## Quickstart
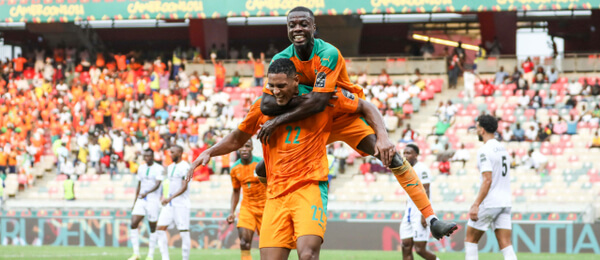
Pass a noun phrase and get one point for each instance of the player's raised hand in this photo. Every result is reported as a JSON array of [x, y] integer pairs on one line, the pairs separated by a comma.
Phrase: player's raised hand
[[266, 130], [474, 212], [385, 150], [230, 219], [202, 159]]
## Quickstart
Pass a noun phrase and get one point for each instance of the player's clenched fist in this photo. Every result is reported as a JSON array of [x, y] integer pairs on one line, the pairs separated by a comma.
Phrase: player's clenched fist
[[474, 212], [202, 159], [230, 219]]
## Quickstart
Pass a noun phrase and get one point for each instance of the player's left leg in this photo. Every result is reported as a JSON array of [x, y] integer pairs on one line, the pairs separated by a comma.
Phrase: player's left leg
[[165, 218], [407, 246], [134, 235], [245, 242], [421, 248], [503, 230], [473, 236], [505, 243], [152, 241], [309, 247]]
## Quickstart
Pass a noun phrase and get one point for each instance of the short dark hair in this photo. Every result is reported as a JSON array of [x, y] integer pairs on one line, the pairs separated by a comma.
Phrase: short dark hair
[[414, 147], [178, 147], [303, 9], [283, 65], [149, 151], [489, 123]]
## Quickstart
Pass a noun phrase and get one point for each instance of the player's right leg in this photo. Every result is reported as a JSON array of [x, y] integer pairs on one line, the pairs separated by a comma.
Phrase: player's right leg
[[407, 233], [164, 220], [137, 215], [248, 221], [245, 242], [309, 247], [277, 231], [153, 212], [134, 235], [182, 221]]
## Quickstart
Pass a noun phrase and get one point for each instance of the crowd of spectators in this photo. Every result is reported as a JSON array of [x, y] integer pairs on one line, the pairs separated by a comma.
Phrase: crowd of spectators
[[102, 112]]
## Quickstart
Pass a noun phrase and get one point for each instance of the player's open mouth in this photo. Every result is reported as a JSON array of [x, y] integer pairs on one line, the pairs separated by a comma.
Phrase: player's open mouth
[[299, 38]]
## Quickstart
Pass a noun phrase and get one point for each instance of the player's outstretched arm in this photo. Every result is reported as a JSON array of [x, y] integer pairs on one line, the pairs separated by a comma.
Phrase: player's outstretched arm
[[232, 142], [384, 148], [310, 104], [483, 191], [235, 198]]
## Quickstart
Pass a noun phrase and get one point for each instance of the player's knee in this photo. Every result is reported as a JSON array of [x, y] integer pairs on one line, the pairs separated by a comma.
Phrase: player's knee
[[308, 254], [396, 161], [134, 224], [420, 249], [245, 243], [407, 246]]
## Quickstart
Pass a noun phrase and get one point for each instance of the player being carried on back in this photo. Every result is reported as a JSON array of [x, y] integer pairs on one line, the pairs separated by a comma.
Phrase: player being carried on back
[[321, 65], [295, 157], [255, 195]]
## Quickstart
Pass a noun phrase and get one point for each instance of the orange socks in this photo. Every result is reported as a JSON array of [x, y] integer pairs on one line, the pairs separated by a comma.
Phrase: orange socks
[[409, 180], [246, 255]]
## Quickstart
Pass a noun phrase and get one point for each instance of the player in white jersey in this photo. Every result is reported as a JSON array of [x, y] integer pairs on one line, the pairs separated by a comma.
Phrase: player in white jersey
[[414, 230], [176, 206], [147, 203], [493, 203]]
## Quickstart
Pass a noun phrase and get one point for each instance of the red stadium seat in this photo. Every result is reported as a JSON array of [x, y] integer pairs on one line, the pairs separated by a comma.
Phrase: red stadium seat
[[573, 158]]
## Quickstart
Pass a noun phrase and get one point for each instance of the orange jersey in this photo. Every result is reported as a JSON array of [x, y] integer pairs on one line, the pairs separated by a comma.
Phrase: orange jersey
[[255, 193], [325, 69], [295, 154]]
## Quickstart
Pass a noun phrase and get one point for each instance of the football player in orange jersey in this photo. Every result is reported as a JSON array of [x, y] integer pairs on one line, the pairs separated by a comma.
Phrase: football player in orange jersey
[[255, 195], [321, 65], [295, 214]]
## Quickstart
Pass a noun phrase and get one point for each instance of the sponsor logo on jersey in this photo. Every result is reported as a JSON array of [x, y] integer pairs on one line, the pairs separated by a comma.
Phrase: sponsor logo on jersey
[[320, 81], [424, 175], [482, 158]]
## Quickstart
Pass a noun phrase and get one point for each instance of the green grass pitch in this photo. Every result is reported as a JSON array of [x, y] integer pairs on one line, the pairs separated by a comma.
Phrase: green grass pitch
[[89, 253]]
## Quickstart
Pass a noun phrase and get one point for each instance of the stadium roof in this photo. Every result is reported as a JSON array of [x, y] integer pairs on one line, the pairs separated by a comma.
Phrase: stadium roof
[[44, 11]]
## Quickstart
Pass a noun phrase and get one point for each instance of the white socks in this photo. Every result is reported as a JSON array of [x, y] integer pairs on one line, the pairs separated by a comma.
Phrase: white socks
[[162, 244], [471, 251], [509, 253], [186, 244], [135, 240], [152, 244]]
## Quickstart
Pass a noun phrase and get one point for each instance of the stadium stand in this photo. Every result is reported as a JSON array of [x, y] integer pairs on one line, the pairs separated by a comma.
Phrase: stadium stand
[[133, 92]]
